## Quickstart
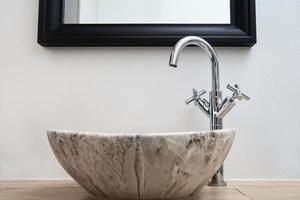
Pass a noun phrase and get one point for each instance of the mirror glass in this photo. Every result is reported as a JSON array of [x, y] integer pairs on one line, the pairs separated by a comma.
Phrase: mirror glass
[[146, 12]]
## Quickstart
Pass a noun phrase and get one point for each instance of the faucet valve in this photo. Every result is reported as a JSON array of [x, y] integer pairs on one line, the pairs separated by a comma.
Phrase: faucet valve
[[237, 94], [196, 97], [229, 102]]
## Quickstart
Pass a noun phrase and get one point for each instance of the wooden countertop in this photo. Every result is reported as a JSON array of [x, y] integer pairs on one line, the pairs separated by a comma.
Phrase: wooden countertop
[[69, 190]]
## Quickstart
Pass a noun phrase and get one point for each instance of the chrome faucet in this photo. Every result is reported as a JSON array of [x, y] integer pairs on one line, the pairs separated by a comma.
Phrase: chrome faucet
[[217, 107]]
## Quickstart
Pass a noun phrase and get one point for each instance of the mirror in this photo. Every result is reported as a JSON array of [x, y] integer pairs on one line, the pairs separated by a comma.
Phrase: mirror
[[146, 11], [145, 22]]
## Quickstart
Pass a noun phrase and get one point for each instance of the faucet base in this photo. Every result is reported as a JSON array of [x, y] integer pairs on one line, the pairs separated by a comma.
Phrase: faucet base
[[217, 184], [218, 179]]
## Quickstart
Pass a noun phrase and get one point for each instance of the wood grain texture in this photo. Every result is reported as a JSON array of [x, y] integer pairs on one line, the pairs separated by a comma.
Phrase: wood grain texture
[[269, 190], [69, 190], [141, 166]]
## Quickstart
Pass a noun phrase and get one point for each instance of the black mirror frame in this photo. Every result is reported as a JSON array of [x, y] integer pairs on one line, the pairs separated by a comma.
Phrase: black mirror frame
[[52, 32]]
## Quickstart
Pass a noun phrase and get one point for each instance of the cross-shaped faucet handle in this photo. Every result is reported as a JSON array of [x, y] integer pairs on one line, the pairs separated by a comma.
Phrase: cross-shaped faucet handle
[[196, 96], [237, 94]]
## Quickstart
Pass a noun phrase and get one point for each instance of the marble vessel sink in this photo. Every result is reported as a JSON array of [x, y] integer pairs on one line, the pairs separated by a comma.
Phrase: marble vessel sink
[[141, 166]]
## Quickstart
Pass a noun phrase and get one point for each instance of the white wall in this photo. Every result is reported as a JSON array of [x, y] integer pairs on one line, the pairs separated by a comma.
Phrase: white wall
[[133, 89]]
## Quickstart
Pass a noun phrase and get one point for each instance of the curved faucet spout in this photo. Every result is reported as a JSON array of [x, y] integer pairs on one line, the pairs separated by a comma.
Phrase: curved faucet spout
[[194, 40]]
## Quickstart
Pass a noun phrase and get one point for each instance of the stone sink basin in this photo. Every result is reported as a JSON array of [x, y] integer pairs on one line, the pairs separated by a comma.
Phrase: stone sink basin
[[141, 166]]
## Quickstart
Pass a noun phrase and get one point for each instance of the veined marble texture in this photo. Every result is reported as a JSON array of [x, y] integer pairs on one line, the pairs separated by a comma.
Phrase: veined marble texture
[[141, 166]]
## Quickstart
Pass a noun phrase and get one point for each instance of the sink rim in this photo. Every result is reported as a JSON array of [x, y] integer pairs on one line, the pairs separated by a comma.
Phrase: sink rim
[[146, 134]]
